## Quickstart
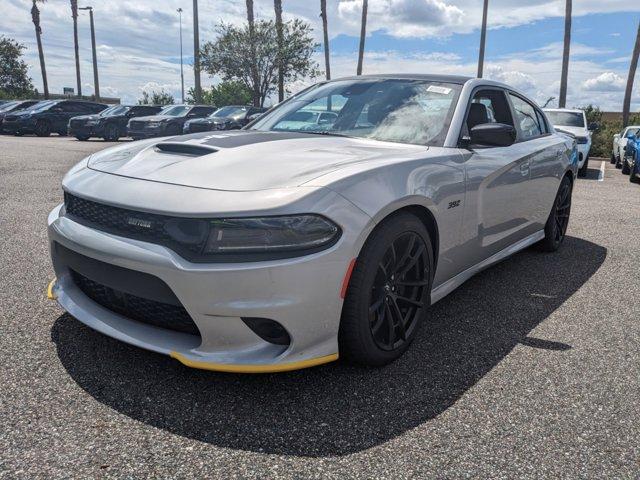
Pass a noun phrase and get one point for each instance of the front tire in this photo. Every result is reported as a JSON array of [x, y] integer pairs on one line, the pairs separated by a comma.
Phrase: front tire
[[556, 227], [389, 292], [613, 158], [625, 167], [82, 138], [111, 133]]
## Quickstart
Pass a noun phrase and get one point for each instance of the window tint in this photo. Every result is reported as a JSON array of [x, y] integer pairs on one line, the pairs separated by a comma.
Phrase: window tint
[[489, 106], [201, 111], [526, 118]]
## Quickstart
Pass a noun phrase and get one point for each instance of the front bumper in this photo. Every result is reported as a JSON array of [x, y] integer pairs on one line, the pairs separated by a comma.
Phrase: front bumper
[[85, 130], [583, 152], [19, 126], [301, 294], [146, 132]]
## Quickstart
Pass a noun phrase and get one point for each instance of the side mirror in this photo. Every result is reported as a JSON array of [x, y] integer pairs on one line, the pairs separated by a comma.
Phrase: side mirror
[[493, 135], [253, 117], [593, 126], [616, 136]]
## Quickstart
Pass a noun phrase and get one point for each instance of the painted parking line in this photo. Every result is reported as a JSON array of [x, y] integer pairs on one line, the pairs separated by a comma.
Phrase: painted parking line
[[601, 174]]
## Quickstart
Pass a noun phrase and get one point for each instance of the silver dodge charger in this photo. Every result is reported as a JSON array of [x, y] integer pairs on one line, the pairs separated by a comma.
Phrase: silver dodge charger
[[325, 228]]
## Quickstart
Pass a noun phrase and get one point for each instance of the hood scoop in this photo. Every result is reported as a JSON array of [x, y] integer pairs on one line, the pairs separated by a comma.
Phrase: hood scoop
[[183, 149]]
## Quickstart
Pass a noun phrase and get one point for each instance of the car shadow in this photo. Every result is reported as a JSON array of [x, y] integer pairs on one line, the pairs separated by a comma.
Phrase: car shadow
[[592, 173], [338, 409]]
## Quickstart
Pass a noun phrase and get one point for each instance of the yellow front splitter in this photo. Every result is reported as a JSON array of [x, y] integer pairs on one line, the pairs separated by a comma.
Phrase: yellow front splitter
[[230, 368], [50, 294]]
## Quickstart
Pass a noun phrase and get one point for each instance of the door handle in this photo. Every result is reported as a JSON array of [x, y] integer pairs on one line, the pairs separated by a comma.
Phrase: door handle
[[524, 169]]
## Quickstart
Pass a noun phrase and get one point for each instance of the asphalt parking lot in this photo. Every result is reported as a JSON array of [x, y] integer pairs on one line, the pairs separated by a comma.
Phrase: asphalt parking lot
[[530, 369]]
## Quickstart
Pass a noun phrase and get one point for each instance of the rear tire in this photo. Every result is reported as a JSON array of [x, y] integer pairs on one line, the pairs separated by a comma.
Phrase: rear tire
[[556, 227], [388, 293], [582, 172], [613, 159], [43, 128]]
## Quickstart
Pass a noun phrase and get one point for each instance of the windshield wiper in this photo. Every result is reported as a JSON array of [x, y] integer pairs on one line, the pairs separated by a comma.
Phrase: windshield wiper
[[327, 133]]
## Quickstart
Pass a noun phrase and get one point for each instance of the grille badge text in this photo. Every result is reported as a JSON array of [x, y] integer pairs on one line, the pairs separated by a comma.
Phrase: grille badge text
[[138, 222]]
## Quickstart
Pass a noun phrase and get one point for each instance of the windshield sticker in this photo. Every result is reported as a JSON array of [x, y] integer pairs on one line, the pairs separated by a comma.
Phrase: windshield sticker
[[436, 89]]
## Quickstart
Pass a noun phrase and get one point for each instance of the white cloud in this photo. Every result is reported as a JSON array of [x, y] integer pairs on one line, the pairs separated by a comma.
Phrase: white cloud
[[518, 80], [605, 82], [403, 18]]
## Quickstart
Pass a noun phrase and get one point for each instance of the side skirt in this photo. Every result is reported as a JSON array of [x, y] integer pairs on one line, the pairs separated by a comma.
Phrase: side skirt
[[450, 285]]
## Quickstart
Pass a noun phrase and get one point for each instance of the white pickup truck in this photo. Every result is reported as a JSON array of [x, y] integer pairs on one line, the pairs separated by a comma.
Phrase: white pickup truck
[[574, 122], [619, 142]]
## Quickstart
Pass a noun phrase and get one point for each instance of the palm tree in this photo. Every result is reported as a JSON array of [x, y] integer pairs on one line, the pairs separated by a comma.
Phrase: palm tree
[[277, 5], [565, 56], [363, 34], [632, 73], [254, 67], [323, 14], [35, 17], [196, 54], [483, 38], [74, 15]]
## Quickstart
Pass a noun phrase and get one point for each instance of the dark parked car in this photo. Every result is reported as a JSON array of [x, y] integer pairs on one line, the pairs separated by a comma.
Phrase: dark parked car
[[109, 124], [168, 122], [231, 117], [13, 106], [48, 116]]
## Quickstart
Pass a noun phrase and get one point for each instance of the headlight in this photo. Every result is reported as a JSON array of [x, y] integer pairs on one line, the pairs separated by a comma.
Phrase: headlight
[[294, 233]]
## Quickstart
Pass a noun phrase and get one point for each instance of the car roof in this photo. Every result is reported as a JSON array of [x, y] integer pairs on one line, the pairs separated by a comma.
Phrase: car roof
[[568, 110], [459, 79]]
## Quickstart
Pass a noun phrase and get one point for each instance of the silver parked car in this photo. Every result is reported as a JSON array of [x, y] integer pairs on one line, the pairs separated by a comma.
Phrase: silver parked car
[[287, 244]]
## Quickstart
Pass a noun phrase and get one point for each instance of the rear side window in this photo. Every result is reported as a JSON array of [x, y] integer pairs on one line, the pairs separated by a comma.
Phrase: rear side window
[[527, 118]]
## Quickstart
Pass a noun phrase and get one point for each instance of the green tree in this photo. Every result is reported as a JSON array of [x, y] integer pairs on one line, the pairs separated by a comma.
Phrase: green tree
[[225, 93], [229, 56], [156, 98], [14, 81]]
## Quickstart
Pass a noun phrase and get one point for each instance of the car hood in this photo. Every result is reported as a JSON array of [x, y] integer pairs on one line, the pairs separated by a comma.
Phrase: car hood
[[154, 118], [243, 160], [577, 131]]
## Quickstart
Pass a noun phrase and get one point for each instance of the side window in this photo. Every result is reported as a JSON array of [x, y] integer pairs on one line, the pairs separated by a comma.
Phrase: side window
[[543, 125], [197, 111], [489, 106], [526, 118]]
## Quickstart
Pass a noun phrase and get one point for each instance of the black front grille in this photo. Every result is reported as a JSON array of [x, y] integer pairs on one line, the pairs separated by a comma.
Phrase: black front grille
[[163, 315], [77, 123], [136, 125], [183, 235]]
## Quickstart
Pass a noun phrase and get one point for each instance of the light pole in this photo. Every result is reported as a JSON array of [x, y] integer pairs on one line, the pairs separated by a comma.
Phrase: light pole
[[196, 53], [96, 83], [181, 70]]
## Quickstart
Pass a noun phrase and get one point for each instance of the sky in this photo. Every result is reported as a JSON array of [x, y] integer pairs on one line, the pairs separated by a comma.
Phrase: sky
[[138, 42]]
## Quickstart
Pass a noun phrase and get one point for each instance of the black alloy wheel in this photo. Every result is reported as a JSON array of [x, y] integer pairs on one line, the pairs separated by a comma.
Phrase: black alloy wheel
[[625, 166], [388, 293], [43, 128], [397, 294], [556, 227], [111, 132]]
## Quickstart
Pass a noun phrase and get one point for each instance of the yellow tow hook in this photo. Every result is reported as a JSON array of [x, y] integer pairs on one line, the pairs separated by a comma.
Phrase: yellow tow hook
[[50, 294]]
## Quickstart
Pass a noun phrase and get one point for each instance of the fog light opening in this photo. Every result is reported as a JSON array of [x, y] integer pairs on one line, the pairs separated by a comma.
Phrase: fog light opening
[[268, 330]]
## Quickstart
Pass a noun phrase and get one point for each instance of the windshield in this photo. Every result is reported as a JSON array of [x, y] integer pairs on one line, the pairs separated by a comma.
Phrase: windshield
[[8, 106], [229, 111], [395, 110], [40, 106], [114, 110], [566, 119], [175, 110]]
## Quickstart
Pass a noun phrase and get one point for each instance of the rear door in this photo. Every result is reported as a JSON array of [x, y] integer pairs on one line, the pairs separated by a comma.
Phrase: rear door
[[497, 200], [546, 155]]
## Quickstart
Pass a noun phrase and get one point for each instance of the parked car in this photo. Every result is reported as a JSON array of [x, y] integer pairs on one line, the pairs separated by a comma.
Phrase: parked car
[[269, 249], [574, 121], [620, 142], [111, 123], [630, 160], [13, 106], [168, 121], [48, 116], [231, 117]]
